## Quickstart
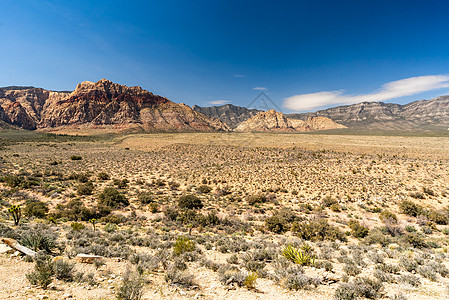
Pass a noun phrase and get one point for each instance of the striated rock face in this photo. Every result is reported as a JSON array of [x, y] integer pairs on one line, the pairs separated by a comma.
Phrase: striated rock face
[[274, 121], [103, 104], [229, 114], [379, 115]]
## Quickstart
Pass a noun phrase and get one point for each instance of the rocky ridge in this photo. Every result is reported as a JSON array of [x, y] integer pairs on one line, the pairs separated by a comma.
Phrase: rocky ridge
[[102, 104], [275, 121]]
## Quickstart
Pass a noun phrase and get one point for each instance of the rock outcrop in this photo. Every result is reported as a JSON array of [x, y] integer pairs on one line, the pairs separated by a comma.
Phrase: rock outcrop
[[273, 121], [102, 104]]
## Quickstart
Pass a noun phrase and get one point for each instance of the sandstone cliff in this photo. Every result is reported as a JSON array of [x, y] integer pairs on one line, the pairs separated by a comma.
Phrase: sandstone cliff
[[274, 121], [103, 104]]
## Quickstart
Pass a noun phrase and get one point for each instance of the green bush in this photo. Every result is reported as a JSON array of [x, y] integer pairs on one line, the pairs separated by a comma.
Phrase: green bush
[[182, 245], [85, 189], [112, 198], [388, 217], [204, 189], [145, 198], [189, 202], [437, 217], [358, 230], [275, 224], [415, 239], [131, 287], [64, 270], [44, 270], [409, 208], [328, 201], [257, 198], [317, 230], [103, 176], [75, 210], [77, 226], [35, 208], [76, 157]]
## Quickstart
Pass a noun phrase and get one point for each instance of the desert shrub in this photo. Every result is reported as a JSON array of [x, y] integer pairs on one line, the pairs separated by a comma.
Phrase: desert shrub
[[281, 220], [408, 264], [17, 181], [171, 213], [257, 198], [383, 276], [112, 198], [416, 240], [110, 227], [179, 278], [328, 201], [417, 195], [367, 287], [410, 208], [388, 217], [427, 272], [228, 275], [317, 230], [75, 210], [410, 228], [189, 202], [210, 219], [44, 271], [76, 157], [131, 287], [250, 280], [410, 279], [437, 217], [35, 208], [85, 188], [358, 288], [335, 207], [323, 264], [275, 224], [387, 268], [204, 189], [358, 230], [103, 176], [428, 191], [121, 184], [77, 226], [351, 269], [182, 245], [145, 198], [297, 281], [154, 207], [64, 270]]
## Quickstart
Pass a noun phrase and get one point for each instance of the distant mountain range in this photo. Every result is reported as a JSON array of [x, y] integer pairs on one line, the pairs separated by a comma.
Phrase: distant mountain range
[[229, 114], [417, 115], [115, 107]]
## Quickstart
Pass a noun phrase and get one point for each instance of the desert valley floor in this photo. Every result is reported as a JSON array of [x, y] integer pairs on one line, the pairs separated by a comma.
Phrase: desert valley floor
[[227, 216]]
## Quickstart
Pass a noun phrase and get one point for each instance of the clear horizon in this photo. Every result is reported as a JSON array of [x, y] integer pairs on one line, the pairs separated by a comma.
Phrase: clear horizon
[[305, 56]]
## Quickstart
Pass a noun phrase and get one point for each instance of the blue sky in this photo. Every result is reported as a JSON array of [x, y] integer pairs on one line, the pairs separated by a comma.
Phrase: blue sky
[[306, 54]]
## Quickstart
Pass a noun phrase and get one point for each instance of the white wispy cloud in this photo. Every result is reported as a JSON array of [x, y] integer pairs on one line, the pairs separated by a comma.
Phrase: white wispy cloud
[[239, 76], [390, 90], [259, 88], [219, 102]]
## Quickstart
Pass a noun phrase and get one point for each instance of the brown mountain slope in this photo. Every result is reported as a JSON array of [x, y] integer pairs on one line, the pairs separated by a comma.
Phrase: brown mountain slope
[[277, 122], [101, 105]]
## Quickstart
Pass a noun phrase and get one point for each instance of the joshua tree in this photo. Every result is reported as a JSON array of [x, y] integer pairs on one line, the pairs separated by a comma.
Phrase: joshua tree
[[16, 213], [93, 222]]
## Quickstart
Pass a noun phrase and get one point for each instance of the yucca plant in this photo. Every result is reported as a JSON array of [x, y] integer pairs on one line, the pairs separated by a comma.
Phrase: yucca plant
[[290, 253], [301, 257], [15, 211]]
